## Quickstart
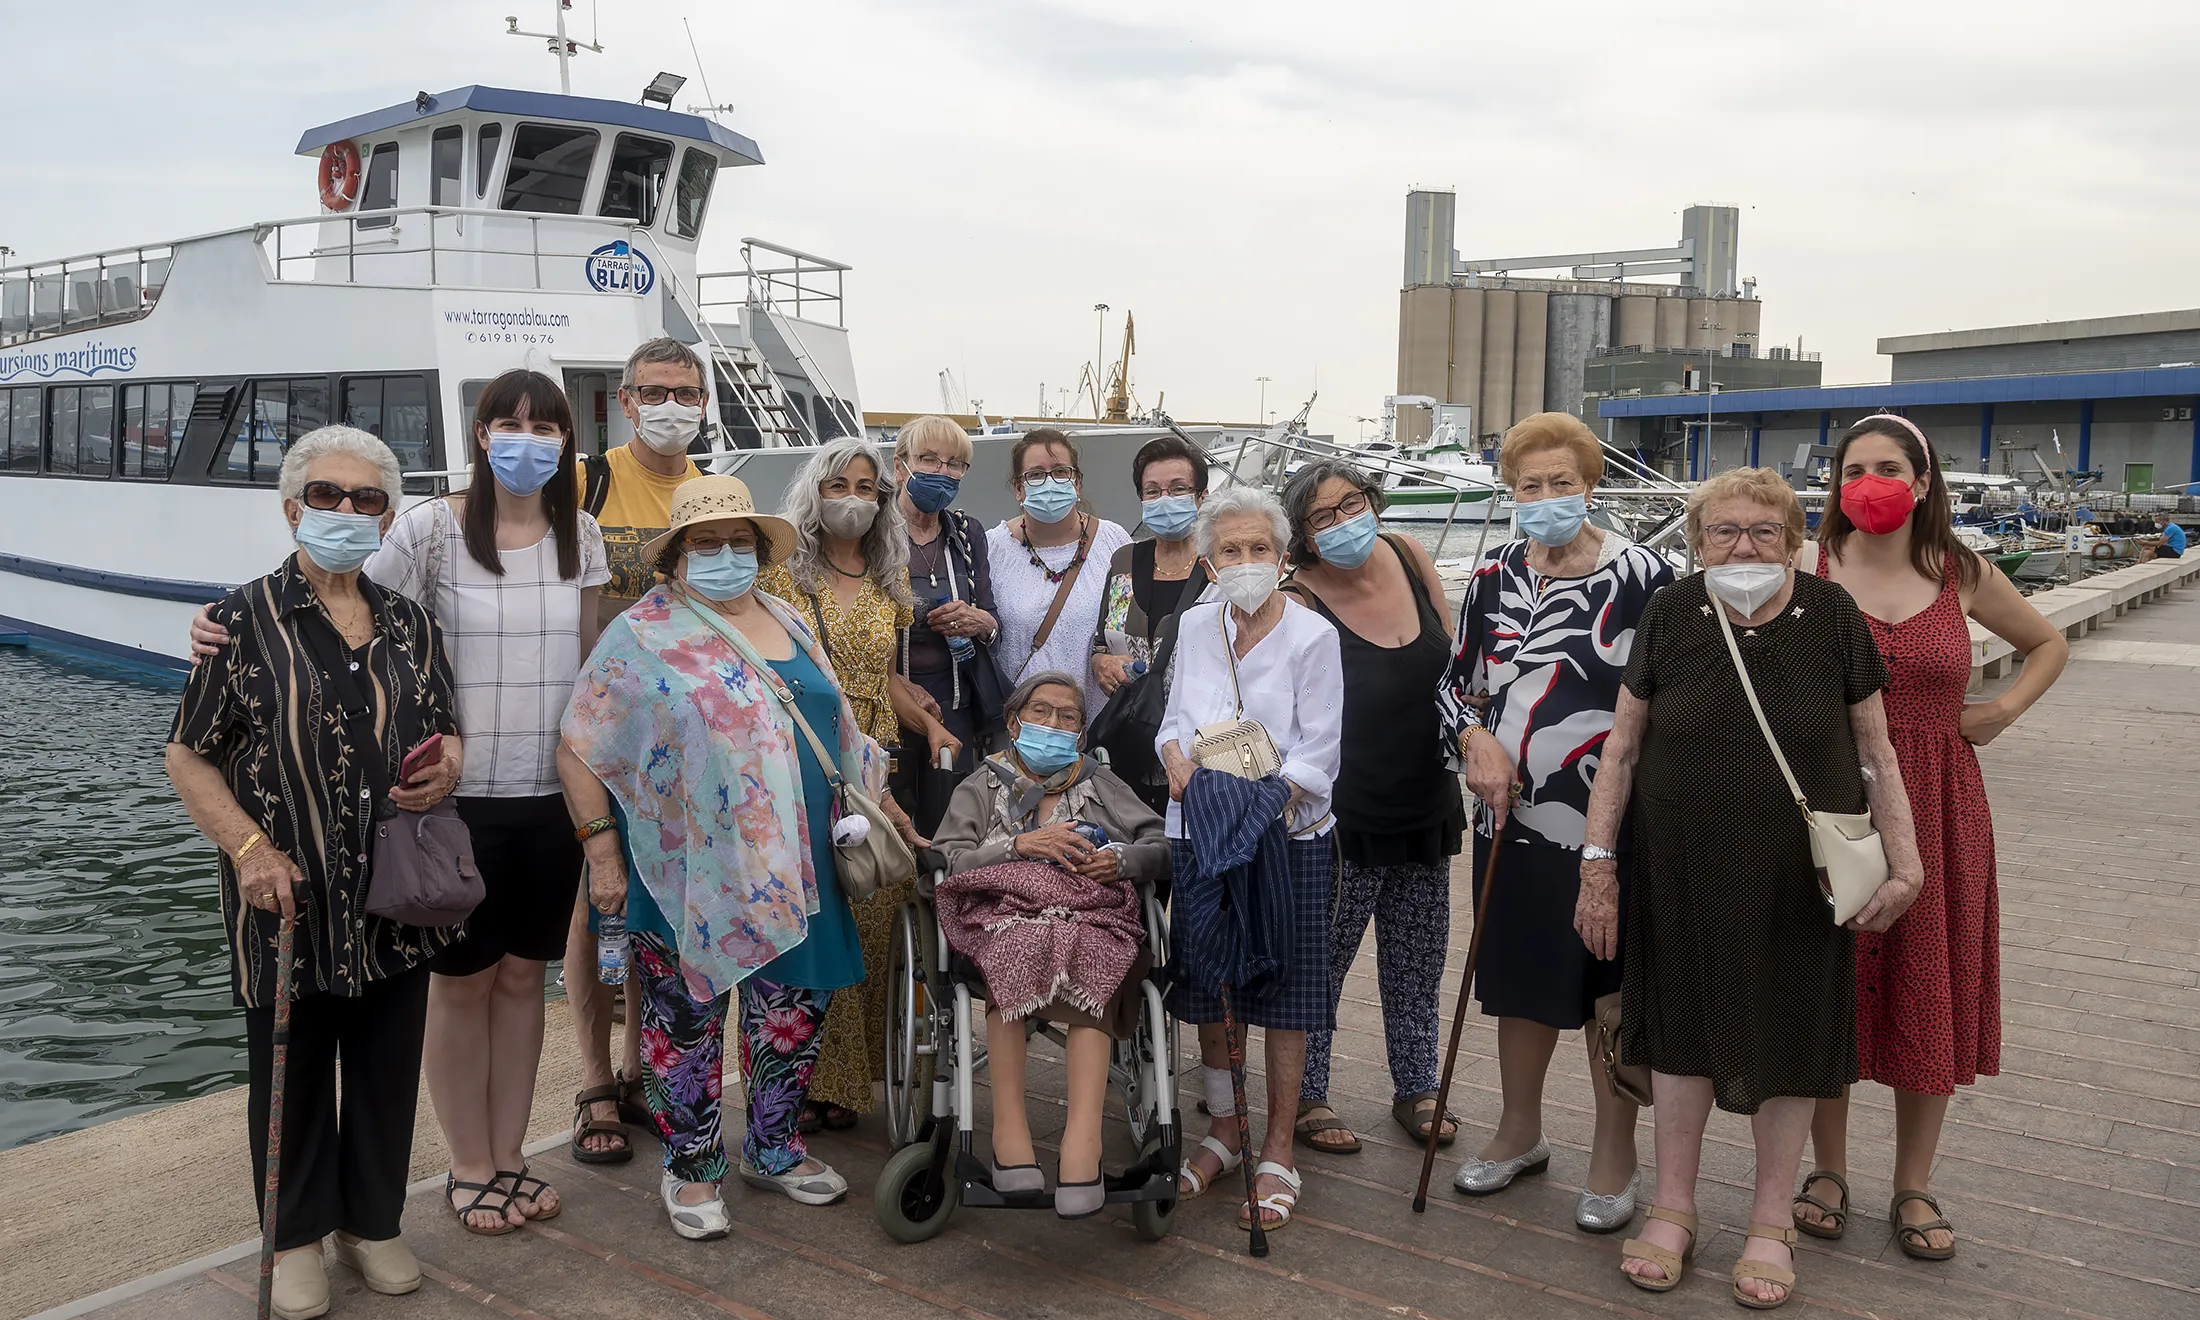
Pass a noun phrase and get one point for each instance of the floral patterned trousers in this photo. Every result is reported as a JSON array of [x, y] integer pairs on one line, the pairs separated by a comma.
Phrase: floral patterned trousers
[[1411, 906], [683, 1043]]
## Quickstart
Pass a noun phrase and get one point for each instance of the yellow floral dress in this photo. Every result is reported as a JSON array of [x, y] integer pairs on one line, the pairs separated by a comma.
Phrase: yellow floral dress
[[860, 641]]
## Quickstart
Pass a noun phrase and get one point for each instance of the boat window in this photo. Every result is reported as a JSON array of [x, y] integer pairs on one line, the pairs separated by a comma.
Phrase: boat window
[[692, 194], [80, 430], [446, 153], [733, 415], [153, 421], [635, 185], [549, 168], [271, 414], [486, 143], [380, 193], [393, 409], [19, 430], [831, 424]]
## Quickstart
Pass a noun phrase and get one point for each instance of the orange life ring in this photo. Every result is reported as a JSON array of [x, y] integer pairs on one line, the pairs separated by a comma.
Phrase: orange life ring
[[2103, 550], [339, 175]]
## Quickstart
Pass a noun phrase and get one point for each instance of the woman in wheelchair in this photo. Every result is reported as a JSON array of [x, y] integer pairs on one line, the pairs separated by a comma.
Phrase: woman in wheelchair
[[1046, 850]]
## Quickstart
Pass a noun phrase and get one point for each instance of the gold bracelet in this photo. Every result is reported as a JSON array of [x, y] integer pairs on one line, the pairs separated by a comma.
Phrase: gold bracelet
[[238, 855]]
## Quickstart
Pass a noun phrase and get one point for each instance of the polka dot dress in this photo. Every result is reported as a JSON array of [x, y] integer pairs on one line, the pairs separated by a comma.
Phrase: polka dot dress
[[1928, 991], [1734, 968]]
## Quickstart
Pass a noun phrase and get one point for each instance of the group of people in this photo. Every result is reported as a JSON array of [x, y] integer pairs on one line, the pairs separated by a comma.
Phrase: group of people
[[651, 704]]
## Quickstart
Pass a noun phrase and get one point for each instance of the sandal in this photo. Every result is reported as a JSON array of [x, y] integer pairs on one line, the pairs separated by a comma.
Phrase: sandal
[[1409, 1112], [1673, 1265], [1764, 1271], [1190, 1182], [586, 1125], [1911, 1237], [482, 1192], [1279, 1204], [633, 1101], [1839, 1214], [817, 1114], [1310, 1127], [521, 1181]]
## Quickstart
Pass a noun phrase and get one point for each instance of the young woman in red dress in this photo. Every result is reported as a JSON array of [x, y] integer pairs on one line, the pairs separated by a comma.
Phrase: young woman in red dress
[[1928, 990]]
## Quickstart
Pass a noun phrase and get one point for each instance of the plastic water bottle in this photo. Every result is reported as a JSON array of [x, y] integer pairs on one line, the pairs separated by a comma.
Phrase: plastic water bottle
[[959, 649], [1138, 669], [611, 948], [1096, 835]]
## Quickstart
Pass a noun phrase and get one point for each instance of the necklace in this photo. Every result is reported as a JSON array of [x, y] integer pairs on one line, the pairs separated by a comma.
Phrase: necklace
[[1084, 547], [863, 572]]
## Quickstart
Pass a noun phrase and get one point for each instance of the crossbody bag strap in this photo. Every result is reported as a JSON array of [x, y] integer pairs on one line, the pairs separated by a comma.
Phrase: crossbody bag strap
[[1229, 651], [437, 548], [826, 761], [1061, 594], [1749, 690]]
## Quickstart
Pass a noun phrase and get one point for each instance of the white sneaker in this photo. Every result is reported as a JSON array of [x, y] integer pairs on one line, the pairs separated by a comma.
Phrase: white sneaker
[[696, 1223], [300, 1291], [820, 1186]]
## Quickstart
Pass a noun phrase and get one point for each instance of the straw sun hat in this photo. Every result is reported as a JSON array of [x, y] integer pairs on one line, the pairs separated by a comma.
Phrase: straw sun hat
[[705, 499]]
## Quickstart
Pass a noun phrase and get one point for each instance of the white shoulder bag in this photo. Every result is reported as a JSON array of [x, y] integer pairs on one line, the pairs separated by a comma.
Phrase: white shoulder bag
[[1239, 747], [1846, 849]]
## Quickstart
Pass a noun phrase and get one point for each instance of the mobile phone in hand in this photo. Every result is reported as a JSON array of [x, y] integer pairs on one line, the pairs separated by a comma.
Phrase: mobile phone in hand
[[417, 761]]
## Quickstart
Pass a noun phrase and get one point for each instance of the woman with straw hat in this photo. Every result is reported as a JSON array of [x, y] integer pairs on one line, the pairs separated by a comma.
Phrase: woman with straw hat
[[706, 817]]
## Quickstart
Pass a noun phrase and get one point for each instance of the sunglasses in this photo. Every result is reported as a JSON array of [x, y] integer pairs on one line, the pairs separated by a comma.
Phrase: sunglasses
[[373, 501]]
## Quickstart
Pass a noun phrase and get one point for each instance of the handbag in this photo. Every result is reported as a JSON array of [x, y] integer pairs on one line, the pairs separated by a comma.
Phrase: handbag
[[883, 857], [1629, 1081], [424, 869], [1238, 746], [1127, 727], [1845, 848]]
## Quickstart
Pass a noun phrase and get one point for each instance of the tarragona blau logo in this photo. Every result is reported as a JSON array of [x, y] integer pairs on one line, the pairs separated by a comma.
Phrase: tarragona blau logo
[[85, 360], [617, 267]]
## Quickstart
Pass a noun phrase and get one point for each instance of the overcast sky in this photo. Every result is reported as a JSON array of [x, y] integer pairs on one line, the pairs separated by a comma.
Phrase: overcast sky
[[1234, 174]]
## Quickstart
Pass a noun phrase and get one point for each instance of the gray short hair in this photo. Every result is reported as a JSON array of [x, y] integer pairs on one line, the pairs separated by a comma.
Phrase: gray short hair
[[1232, 500], [885, 546], [663, 350], [1043, 678], [314, 446], [1298, 499]]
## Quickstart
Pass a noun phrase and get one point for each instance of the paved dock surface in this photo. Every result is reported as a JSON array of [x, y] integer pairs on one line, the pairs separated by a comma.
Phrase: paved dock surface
[[2073, 1178]]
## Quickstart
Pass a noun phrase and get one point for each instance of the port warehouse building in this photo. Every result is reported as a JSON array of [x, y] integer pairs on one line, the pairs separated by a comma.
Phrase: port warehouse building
[[2119, 394]]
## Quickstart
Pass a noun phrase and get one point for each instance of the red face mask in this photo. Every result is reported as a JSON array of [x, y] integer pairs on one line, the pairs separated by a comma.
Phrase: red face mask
[[1877, 504]]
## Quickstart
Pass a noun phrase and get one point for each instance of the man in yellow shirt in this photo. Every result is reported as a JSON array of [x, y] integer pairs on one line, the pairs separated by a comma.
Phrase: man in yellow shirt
[[629, 493]]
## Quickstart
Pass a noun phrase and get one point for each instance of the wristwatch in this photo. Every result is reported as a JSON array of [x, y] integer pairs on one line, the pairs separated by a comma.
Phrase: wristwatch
[[1591, 853]]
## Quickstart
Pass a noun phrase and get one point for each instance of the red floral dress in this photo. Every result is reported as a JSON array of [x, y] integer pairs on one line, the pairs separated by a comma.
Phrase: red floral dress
[[1928, 991]]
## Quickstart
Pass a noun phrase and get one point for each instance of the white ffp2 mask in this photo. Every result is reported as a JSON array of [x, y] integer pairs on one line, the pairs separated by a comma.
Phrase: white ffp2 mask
[[1248, 586], [1745, 587]]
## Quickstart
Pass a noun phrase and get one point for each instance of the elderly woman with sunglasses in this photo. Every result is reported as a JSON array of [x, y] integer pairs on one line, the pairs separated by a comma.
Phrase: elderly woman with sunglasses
[[287, 747]]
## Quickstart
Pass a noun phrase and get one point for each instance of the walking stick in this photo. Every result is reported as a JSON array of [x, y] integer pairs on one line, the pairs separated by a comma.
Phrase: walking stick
[[272, 1185], [1234, 1039], [1458, 1021]]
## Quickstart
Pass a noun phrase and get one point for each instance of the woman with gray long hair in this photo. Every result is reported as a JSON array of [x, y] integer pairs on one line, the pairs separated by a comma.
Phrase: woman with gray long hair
[[849, 579]]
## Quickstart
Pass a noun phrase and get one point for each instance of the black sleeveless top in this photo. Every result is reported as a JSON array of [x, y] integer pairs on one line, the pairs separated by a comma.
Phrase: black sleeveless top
[[1397, 801]]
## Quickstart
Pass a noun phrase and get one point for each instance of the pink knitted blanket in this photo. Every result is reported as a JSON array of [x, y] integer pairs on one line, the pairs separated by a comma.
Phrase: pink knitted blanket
[[1042, 935]]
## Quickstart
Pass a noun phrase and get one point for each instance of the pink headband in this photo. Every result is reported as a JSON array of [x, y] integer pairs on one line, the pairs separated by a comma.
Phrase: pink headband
[[1904, 422]]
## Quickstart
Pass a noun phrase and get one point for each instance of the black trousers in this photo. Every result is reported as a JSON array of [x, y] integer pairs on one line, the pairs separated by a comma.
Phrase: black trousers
[[346, 1151]]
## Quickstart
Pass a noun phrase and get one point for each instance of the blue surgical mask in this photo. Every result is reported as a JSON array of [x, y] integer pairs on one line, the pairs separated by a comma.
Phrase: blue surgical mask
[[524, 463], [1051, 500], [1555, 521], [932, 491], [338, 542], [1349, 543], [1044, 748], [722, 574], [1170, 517]]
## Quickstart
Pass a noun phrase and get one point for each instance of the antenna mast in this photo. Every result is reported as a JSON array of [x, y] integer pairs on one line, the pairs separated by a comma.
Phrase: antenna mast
[[562, 46]]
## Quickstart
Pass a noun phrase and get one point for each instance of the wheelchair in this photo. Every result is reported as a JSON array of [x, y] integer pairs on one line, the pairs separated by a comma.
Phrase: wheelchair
[[934, 1045]]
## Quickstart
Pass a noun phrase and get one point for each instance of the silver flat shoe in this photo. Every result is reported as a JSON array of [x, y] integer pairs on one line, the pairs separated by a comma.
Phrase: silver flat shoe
[[1597, 1213], [1480, 1177]]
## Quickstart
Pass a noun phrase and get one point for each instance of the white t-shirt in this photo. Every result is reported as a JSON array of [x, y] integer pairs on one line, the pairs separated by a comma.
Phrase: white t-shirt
[[514, 641], [1022, 595], [1292, 682]]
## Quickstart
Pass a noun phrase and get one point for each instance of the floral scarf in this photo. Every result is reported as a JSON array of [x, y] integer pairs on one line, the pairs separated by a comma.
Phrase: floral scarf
[[701, 757]]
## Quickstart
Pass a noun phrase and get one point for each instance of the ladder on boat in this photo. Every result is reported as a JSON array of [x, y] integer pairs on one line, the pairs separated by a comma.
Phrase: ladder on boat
[[757, 391]]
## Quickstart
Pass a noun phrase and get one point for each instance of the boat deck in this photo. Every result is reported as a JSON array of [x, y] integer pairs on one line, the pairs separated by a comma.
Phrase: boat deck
[[2073, 1178]]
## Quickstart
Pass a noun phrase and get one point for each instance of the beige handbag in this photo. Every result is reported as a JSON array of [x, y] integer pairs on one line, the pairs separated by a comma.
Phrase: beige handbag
[[883, 857], [1629, 1081], [1846, 849], [1241, 746]]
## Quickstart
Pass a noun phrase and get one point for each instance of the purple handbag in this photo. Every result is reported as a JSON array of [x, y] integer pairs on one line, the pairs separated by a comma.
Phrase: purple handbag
[[424, 871]]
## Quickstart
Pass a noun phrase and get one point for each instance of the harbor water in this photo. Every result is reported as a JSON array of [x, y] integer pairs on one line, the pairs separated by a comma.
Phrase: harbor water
[[114, 980]]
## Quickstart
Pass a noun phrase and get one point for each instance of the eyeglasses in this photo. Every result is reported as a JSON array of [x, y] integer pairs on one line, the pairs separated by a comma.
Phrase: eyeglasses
[[1037, 475], [1176, 488], [1351, 506], [327, 496], [687, 396], [710, 543], [1765, 535], [1061, 717], [933, 463]]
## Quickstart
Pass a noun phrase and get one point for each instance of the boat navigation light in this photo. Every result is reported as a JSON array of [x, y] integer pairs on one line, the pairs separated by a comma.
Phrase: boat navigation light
[[663, 88]]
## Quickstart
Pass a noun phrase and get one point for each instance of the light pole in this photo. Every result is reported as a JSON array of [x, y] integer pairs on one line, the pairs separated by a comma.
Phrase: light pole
[[1262, 415], [1099, 356]]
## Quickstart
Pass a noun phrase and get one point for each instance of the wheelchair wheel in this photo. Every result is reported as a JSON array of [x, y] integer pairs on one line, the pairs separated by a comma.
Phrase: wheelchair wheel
[[1154, 1220], [911, 1204], [1132, 1069], [912, 1041]]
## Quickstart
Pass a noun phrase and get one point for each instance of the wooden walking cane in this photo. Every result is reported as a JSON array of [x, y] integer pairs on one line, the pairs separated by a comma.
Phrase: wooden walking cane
[[1233, 1039], [1458, 1018], [271, 1186]]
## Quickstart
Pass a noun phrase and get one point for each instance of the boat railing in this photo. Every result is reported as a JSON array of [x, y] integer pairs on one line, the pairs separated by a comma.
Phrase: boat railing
[[455, 246], [799, 288], [81, 292]]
